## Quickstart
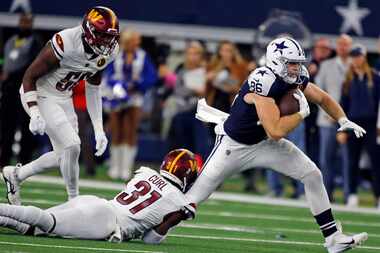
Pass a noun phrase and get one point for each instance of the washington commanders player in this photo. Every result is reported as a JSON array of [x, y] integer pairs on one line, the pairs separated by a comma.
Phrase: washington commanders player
[[74, 54], [149, 206]]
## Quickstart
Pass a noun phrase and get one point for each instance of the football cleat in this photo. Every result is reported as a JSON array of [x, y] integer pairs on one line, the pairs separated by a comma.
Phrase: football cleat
[[12, 183], [339, 242]]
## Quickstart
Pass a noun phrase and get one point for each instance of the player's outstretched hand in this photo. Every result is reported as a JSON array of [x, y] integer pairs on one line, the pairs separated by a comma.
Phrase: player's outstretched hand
[[37, 124], [101, 143], [348, 125], [304, 105]]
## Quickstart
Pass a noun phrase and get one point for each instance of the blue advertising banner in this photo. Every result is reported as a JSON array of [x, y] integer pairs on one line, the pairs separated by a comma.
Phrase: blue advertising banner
[[356, 17]]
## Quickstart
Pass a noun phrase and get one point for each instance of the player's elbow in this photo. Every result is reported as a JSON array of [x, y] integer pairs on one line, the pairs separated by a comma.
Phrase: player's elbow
[[152, 237], [276, 134]]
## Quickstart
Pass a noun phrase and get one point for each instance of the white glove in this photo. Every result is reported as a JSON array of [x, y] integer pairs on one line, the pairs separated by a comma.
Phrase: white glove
[[37, 124], [346, 124], [101, 142], [304, 105]]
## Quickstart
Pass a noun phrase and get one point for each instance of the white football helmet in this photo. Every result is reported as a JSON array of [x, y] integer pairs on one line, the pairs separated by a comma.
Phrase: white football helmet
[[282, 51]]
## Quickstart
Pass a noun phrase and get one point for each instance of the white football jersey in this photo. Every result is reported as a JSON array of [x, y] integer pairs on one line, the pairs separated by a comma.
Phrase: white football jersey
[[75, 64], [146, 200]]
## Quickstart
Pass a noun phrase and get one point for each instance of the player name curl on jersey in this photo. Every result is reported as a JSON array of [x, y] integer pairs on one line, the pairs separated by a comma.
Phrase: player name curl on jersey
[[242, 124], [76, 63], [146, 200]]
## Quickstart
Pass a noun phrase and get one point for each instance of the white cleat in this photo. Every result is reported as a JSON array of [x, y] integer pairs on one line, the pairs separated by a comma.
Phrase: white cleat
[[12, 183], [339, 242]]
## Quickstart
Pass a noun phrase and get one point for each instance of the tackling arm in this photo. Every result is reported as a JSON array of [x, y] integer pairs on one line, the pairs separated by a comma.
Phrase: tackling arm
[[159, 233]]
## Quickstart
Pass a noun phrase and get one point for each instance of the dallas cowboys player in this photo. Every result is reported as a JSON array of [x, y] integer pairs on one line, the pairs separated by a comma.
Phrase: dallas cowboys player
[[78, 53], [147, 208], [252, 136]]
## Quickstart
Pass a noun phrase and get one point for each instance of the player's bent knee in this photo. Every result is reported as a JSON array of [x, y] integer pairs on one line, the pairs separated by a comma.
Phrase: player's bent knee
[[314, 176]]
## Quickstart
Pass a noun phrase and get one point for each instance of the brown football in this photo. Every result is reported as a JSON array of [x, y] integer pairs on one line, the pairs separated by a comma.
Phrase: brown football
[[288, 104]]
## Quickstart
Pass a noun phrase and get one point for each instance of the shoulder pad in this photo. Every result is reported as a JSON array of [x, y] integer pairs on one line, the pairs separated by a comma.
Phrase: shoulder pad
[[261, 80], [144, 169], [63, 42]]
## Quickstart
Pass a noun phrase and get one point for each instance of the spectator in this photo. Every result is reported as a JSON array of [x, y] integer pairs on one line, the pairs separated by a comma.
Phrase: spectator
[[321, 51], [19, 52], [360, 100], [331, 76], [85, 128], [226, 73], [180, 107], [128, 78]]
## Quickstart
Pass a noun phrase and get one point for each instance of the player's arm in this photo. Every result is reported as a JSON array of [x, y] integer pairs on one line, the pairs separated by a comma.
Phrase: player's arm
[[43, 64], [275, 126], [94, 108], [318, 96], [332, 108], [157, 234]]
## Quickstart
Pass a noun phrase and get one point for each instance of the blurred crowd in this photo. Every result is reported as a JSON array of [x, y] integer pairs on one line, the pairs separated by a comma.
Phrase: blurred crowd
[[150, 95]]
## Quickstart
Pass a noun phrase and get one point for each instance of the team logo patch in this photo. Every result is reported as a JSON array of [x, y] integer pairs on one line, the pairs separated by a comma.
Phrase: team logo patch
[[94, 16], [101, 62], [59, 41]]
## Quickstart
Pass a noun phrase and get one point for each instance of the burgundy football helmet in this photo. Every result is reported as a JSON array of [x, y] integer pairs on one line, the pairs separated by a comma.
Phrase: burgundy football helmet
[[180, 167], [101, 30]]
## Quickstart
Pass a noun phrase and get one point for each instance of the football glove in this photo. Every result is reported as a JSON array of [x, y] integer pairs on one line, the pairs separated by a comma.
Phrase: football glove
[[347, 125], [37, 124]]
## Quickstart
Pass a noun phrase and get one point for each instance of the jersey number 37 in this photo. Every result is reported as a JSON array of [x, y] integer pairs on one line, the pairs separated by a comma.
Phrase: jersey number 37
[[143, 188]]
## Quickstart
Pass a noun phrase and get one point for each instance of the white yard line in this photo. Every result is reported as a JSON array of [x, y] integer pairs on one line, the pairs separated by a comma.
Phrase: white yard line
[[75, 247], [280, 218], [253, 230], [259, 240], [215, 196]]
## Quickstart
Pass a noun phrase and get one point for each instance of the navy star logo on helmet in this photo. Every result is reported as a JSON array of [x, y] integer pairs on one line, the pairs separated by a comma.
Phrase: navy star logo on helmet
[[279, 47], [261, 72]]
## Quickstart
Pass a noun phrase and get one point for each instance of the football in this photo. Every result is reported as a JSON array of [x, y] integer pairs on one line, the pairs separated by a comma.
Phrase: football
[[288, 104]]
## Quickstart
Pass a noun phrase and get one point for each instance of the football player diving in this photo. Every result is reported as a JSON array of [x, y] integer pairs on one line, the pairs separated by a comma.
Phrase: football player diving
[[147, 208]]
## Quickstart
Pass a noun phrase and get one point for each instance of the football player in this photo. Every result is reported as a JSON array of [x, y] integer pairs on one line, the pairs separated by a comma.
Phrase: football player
[[78, 53], [149, 206], [252, 136]]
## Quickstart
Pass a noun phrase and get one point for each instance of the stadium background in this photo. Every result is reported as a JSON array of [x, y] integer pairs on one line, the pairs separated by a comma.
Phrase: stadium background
[[172, 24]]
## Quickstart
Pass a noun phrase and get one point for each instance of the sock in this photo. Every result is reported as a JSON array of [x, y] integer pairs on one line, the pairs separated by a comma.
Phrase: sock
[[116, 158], [46, 161], [20, 227], [30, 215], [326, 223], [129, 155], [69, 166]]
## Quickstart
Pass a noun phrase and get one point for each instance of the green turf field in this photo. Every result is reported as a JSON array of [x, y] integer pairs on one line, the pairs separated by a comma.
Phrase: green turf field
[[220, 227]]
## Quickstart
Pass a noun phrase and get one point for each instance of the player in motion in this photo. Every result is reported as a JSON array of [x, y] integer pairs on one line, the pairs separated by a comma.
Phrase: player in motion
[[149, 206], [74, 54], [252, 136]]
